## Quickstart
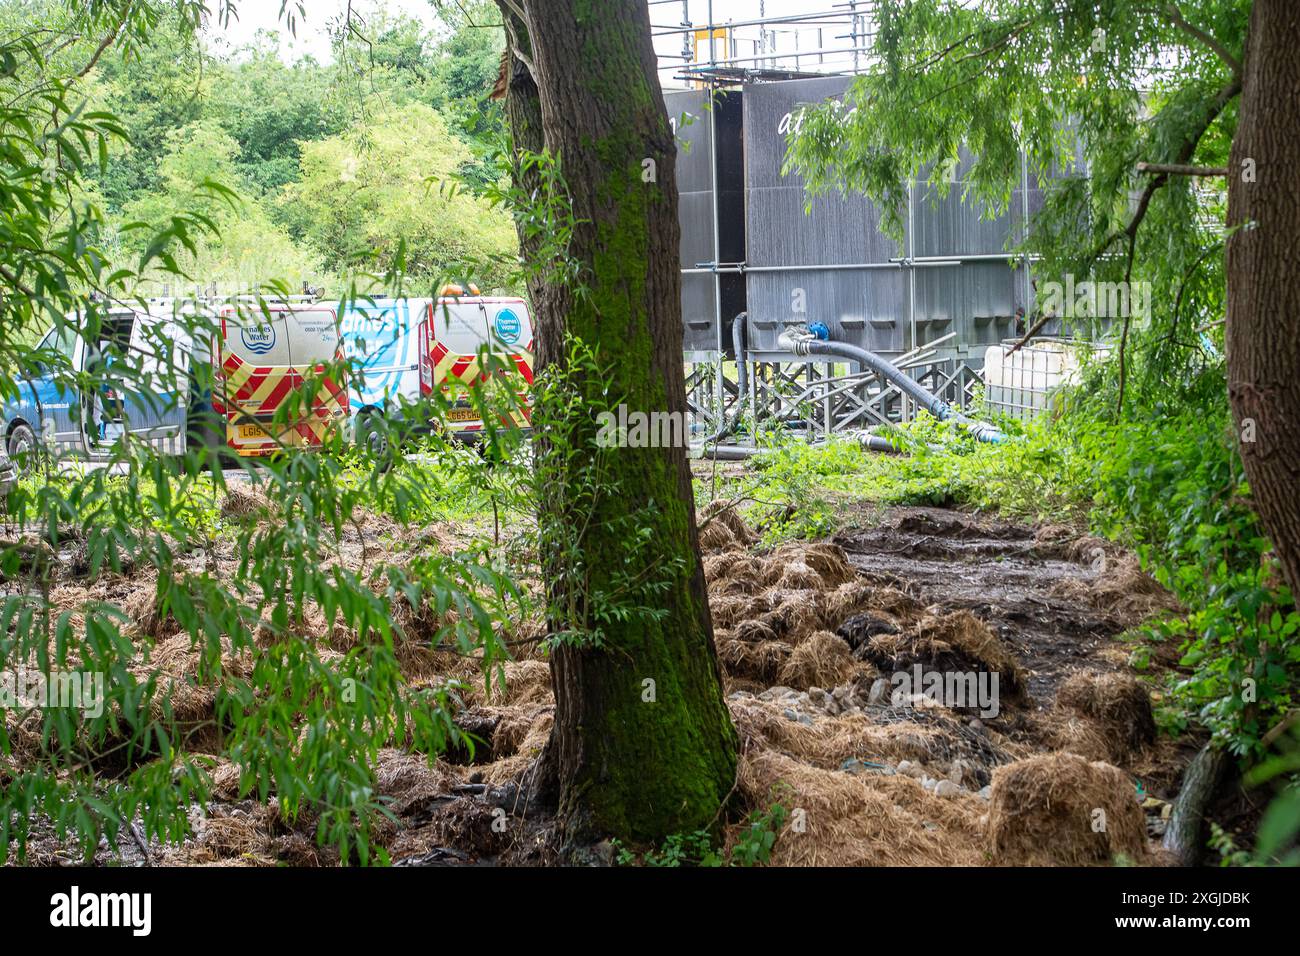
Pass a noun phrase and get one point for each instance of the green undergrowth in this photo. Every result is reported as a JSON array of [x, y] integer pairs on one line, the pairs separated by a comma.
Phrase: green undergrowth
[[752, 847]]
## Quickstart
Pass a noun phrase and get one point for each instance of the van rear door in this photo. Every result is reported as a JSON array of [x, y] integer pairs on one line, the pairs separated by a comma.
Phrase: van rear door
[[109, 359], [253, 375], [459, 331], [266, 355], [314, 344], [459, 328], [511, 329], [52, 402]]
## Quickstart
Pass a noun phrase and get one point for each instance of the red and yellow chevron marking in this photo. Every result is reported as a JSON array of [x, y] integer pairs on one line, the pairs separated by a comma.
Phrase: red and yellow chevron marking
[[453, 370], [246, 392]]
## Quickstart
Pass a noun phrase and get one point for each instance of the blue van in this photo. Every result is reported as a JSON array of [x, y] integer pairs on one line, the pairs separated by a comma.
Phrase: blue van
[[143, 360], [381, 339], [52, 413]]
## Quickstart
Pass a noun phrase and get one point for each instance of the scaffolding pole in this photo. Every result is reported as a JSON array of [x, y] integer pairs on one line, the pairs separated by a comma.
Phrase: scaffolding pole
[[787, 44]]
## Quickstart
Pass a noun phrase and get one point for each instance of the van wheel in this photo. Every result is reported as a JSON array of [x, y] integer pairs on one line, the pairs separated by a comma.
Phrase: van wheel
[[373, 437], [22, 448]]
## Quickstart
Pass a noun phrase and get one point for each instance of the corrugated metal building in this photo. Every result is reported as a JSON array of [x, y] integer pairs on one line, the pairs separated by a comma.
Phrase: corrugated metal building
[[833, 263]]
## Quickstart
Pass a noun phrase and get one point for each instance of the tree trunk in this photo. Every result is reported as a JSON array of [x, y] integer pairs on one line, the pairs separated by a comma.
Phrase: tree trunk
[[1184, 833], [642, 745], [524, 117], [523, 107], [1263, 346]]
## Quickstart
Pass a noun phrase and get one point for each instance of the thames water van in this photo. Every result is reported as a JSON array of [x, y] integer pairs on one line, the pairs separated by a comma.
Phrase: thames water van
[[402, 349], [144, 361], [261, 354], [455, 330]]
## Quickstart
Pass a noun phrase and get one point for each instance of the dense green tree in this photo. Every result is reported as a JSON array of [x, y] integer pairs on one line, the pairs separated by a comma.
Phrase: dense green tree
[[465, 69], [271, 109], [369, 194], [245, 247], [467, 62], [172, 96], [159, 89]]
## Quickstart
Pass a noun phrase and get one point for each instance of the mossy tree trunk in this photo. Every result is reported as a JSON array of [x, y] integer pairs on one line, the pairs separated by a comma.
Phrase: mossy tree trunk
[[1263, 347], [642, 745]]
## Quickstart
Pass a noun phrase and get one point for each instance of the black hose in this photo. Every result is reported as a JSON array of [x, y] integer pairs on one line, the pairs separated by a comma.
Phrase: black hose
[[879, 443], [739, 338], [805, 344]]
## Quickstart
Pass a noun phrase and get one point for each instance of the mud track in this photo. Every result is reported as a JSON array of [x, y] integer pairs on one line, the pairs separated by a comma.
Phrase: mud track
[[1012, 576]]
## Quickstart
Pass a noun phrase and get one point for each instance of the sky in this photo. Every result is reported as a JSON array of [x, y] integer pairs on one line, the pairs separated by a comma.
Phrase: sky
[[666, 16], [311, 37]]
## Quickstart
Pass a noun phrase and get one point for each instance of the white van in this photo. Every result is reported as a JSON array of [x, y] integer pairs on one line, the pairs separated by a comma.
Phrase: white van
[[403, 349], [450, 339], [261, 355]]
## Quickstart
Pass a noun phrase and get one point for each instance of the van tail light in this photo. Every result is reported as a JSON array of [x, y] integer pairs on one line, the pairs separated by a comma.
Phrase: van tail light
[[426, 360]]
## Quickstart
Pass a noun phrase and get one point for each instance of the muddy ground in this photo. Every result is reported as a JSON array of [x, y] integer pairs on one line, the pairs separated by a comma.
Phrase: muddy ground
[[1056, 598], [810, 636]]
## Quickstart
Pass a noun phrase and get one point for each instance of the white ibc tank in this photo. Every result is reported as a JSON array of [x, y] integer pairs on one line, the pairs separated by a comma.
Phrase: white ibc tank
[[1019, 383]]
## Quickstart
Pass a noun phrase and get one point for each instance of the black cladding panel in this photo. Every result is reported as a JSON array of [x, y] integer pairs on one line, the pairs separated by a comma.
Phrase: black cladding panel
[[687, 113], [770, 111], [863, 308], [944, 226], [766, 220], [787, 229], [695, 214], [833, 230]]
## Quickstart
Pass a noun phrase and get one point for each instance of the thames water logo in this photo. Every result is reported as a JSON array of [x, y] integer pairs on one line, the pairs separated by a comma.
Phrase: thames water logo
[[358, 323], [131, 910], [259, 340], [508, 326]]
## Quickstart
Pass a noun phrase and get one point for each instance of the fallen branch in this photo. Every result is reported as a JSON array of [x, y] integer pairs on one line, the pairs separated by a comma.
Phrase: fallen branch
[[1037, 327]]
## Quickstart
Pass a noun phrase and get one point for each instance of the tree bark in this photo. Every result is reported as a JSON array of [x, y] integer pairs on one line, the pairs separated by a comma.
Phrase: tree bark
[[642, 745], [1263, 303]]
